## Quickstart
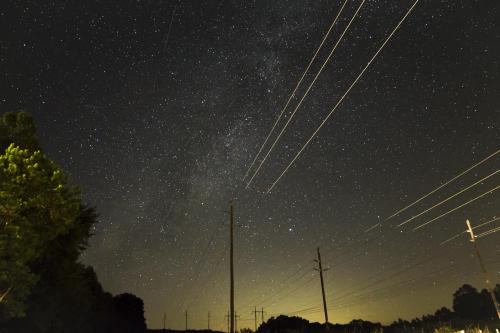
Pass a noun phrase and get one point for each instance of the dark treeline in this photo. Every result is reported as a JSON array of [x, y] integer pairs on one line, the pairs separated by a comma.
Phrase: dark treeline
[[183, 331], [44, 229], [471, 308]]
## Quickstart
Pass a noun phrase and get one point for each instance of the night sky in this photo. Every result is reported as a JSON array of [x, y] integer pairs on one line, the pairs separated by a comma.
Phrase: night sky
[[157, 108]]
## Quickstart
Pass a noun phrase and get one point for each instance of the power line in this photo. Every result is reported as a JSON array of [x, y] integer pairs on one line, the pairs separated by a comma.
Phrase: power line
[[271, 297], [489, 232], [263, 300], [395, 274], [458, 207], [371, 283], [449, 198], [208, 279], [465, 231], [202, 261], [390, 292], [440, 271], [343, 96], [305, 94], [377, 275], [294, 290], [295, 90], [443, 185], [371, 293], [359, 298]]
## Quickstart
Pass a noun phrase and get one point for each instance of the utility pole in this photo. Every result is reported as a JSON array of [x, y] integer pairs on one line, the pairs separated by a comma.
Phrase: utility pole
[[483, 267], [255, 311], [255, 318], [231, 268], [236, 322], [209, 320], [228, 316], [321, 270], [186, 315]]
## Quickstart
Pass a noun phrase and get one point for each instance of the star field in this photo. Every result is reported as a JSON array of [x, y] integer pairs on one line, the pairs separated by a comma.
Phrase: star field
[[157, 108]]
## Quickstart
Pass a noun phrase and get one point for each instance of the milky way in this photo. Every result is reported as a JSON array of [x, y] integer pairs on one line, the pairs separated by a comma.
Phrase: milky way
[[157, 108]]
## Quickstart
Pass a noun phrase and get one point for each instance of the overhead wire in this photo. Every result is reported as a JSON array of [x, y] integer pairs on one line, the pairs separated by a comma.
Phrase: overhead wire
[[208, 279], [458, 270], [295, 89], [343, 96], [294, 290], [393, 275], [456, 208], [202, 264], [473, 228], [348, 298], [271, 297], [489, 232], [361, 298], [375, 279], [390, 291], [443, 185], [306, 93], [261, 298], [370, 293], [447, 199], [367, 286]]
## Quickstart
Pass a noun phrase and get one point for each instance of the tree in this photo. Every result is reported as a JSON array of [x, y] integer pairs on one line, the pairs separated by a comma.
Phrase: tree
[[44, 227], [18, 128], [468, 303], [284, 324], [246, 330], [443, 315], [36, 206], [130, 313]]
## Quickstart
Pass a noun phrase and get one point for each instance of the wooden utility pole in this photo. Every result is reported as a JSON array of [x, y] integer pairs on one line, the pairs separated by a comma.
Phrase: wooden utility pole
[[186, 315], [236, 322], [483, 268], [231, 268], [321, 270], [255, 318], [255, 311]]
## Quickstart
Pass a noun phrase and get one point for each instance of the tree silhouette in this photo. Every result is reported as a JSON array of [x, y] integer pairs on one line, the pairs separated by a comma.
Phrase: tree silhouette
[[18, 128], [130, 313], [470, 304]]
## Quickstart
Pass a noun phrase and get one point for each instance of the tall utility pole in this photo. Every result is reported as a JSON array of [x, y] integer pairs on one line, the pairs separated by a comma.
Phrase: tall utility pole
[[483, 268], [186, 315], [209, 321], [231, 268], [255, 311], [228, 316], [236, 321], [255, 318], [321, 270]]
